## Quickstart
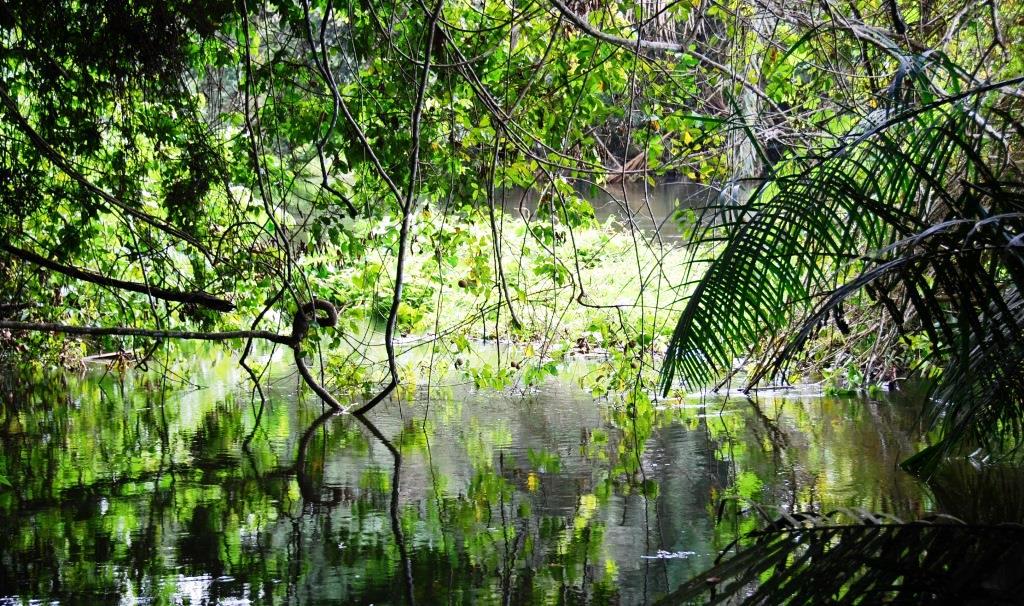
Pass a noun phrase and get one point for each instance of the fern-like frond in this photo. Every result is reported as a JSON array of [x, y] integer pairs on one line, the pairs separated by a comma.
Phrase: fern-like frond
[[799, 236], [810, 559], [923, 203]]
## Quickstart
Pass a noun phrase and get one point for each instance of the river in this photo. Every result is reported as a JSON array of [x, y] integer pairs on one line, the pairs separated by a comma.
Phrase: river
[[178, 486], [137, 487]]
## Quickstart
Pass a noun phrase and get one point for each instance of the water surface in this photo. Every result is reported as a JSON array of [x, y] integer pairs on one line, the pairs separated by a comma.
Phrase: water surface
[[650, 209], [136, 488], [182, 488]]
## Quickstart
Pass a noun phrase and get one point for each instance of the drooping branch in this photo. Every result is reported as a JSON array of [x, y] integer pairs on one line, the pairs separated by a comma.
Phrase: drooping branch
[[496, 238], [65, 166], [300, 326], [325, 73], [305, 315], [317, 388], [196, 297], [408, 208]]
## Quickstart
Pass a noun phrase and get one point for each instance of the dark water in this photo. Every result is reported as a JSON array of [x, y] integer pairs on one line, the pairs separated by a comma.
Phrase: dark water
[[650, 209], [136, 489]]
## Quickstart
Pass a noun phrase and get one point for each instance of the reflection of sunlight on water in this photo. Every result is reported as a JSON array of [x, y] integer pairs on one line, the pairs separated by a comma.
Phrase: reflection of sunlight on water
[[193, 591], [188, 591], [669, 555]]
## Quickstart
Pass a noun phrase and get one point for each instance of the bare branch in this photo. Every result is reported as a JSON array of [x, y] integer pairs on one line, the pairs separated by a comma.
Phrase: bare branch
[[196, 297], [125, 331]]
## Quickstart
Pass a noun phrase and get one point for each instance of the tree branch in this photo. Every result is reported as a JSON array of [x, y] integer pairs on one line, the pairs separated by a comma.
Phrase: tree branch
[[196, 297], [673, 47], [58, 160], [303, 317], [124, 331], [408, 207]]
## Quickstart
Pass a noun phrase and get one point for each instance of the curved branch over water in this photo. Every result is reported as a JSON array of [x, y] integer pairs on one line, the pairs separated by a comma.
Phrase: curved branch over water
[[300, 328], [407, 212], [196, 297]]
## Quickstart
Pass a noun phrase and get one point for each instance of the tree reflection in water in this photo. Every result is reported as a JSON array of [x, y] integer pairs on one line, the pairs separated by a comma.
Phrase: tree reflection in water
[[125, 487]]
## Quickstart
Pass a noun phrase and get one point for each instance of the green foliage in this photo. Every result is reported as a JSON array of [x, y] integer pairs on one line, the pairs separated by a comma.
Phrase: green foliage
[[919, 209], [489, 377], [536, 374], [212, 481], [270, 153]]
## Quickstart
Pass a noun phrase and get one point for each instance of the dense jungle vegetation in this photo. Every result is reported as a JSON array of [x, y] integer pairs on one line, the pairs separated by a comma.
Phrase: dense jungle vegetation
[[386, 201]]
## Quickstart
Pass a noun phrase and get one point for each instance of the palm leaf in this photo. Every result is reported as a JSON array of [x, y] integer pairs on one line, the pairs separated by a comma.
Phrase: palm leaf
[[795, 238], [811, 559], [920, 203]]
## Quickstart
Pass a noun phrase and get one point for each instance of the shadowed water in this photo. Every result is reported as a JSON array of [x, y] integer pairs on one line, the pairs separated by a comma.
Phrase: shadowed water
[[650, 209], [137, 489]]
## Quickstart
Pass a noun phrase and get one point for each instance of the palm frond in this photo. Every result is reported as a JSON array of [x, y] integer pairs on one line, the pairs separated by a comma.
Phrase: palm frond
[[811, 559], [974, 269], [796, 237], [921, 203]]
